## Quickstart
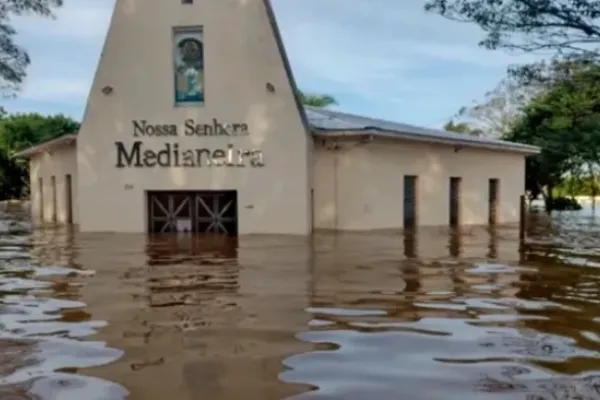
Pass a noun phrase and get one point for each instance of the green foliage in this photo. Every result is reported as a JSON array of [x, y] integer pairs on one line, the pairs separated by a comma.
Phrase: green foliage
[[565, 204], [529, 25], [462, 127], [20, 131], [578, 186], [557, 102], [14, 59], [317, 100], [545, 74], [564, 120], [12, 177]]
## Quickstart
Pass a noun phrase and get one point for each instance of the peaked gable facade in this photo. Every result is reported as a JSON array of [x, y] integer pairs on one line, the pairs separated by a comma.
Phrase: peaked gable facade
[[193, 96]]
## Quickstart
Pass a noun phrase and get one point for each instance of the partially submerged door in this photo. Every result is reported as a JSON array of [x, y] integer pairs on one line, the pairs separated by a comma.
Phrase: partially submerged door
[[69, 198], [454, 200], [216, 212], [410, 202], [494, 185], [54, 205], [181, 212]]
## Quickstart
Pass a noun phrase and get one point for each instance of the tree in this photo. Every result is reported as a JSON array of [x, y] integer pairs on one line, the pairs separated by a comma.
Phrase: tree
[[566, 26], [14, 59], [499, 108], [564, 121], [19, 131], [13, 177], [578, 186], [462, 127], [546, 74], [317, 100]]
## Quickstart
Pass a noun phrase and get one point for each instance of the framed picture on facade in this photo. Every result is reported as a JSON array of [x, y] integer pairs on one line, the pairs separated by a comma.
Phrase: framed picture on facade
[[188, 65]]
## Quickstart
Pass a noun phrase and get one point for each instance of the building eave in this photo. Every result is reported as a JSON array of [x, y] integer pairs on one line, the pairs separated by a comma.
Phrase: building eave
[[46, 146], [342, 133], [286, 65], [467, 142]]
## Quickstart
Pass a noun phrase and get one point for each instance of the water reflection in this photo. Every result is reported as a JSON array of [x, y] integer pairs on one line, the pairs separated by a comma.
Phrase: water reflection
[[42, 321], [493, 244], [410, 244], [455, 243], [457, 328], [424, 315], [173, 280]]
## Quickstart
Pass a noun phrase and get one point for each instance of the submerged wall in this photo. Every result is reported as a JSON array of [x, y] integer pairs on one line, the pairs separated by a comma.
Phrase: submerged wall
[[50, 197], [193, 97], [360, 186]]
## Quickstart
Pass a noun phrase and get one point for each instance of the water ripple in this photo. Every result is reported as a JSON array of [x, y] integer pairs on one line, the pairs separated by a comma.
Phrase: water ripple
[[40, 332], [348, 316]]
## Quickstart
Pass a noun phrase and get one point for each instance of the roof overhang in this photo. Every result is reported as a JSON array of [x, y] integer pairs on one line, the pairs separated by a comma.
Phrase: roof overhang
[[455, 142], [47, 145], [344, 133]]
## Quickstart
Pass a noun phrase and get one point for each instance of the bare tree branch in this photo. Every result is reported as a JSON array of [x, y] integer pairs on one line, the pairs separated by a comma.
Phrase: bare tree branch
[[529, 25], [13, 58]]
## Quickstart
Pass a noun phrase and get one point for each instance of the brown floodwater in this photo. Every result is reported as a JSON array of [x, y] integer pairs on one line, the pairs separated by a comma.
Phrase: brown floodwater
[[350, 316]]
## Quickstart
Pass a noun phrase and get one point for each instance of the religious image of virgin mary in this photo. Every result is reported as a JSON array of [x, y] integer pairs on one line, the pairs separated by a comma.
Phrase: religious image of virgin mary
[[190, 67]]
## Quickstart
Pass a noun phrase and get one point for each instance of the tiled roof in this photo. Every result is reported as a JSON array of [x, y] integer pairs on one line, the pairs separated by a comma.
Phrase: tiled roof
[[326, 122]]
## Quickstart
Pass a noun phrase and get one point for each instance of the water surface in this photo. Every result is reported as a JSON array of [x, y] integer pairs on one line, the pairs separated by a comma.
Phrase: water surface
[[351, 316]]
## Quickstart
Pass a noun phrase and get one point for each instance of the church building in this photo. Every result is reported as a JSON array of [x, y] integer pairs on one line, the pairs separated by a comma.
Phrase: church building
[[193, 124]]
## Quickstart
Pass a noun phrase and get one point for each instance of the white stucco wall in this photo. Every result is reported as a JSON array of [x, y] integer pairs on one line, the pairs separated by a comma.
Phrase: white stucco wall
[[360, 186], [58, 162], [357, 187], [245, 82]]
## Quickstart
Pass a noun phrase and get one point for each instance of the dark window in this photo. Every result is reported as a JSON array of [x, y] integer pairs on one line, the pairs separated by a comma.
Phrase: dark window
[[187, 1]]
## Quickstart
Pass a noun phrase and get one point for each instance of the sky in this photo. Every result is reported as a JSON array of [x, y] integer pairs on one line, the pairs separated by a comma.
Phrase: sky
[[381, 58]]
